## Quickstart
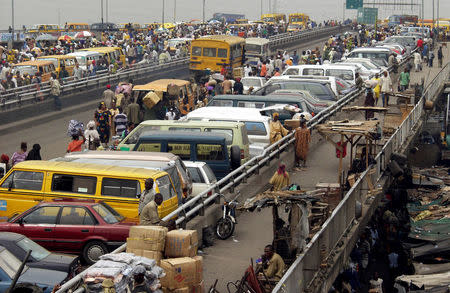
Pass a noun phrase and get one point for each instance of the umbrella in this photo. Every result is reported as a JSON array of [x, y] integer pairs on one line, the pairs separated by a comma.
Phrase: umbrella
[[83, 34], [65, 38], [46, 37]]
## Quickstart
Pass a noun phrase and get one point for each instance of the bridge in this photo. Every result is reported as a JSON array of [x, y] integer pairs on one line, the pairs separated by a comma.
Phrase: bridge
[[317, 266]]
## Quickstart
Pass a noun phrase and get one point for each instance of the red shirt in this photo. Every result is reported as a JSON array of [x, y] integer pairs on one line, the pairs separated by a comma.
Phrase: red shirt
[[420, 43], [75, 146]]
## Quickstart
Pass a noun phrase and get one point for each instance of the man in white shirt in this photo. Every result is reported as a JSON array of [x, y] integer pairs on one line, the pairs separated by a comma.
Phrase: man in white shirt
[[386, 88]]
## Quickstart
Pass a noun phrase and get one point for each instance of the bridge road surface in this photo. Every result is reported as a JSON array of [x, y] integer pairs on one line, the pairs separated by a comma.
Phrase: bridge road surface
[[228, 259], [51, 133]]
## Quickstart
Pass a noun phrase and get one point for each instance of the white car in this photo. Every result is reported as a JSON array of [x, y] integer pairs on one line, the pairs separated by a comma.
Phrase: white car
[[252, 81], [202, 177]]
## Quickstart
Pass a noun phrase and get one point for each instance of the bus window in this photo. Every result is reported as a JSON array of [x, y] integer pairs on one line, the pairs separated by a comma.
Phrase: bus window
[[222, 53], [209, 52], [196, 51]]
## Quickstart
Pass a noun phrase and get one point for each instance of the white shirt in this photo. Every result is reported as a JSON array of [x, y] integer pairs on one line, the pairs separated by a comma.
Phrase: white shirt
[[170, 115], [385, 84], [247, 71], [377, 284]]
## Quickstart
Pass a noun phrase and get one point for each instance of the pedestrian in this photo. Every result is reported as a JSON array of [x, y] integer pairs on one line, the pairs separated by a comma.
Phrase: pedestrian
[[440, 56], [238, 87], [120, 120], [147, 195], [404, 80], [77, 71], [227, 86], [4, 159], [170, 115], [376, 283], [277, 131], [132, 112], [377, 88], [263, 71], [108, 96], [55, 91], [103, 120], [76, 143], [430, 58], [417, 61], [369, 101], [35, 153], [280, 179], [64, 73], [91, 136], [302, 140], [358, 81], [149, 215], [130, 127], [139, 284], [386, 88], [393, 263], [20, 155]]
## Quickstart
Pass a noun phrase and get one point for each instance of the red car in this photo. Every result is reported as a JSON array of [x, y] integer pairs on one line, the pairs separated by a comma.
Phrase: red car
[[72, 226]]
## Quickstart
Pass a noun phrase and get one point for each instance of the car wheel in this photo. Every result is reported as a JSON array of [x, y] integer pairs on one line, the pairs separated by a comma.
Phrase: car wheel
[[93, 250]]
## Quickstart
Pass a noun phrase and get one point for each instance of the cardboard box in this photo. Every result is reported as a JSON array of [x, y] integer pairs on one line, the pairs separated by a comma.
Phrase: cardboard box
[[198, 269], [155, 237], [145, 244], [156, 255], [291, 124], [151, 99], [181, 243], [180, 272]]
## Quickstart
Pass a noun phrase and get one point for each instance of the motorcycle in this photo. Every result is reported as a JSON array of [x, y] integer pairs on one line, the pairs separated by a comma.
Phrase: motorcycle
[[226, 224]]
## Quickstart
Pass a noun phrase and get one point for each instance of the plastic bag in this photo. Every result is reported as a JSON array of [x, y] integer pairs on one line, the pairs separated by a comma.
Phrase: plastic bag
[[124, 257], [146, 262], [109, 264], [75, 127]]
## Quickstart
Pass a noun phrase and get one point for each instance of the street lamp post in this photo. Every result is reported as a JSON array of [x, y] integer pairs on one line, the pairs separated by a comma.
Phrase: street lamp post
[[204, 11], [261, 9], [163, 12], [106, 10], [174, 11], [101, 9], [12, 22]]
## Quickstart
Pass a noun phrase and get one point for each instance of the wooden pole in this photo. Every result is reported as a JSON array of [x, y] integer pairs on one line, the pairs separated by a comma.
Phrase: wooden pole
[[340, 160], [367, 152]]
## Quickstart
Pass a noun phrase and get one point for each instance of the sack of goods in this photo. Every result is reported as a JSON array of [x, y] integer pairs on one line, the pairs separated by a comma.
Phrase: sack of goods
[[151, 99], [123, 272], [183, 268], [74, 127]]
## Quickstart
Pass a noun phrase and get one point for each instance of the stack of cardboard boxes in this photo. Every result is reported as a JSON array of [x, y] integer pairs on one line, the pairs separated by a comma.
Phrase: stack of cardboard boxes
[[183, 268]]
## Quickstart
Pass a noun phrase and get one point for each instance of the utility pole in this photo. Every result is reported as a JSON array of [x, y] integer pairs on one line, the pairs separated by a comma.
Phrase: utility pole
[[101, 9], [261, 8], [107, 8], [204, 11], [343, 11], [174, 11], [163, 12], [433, 15], [438, 18], [12, 22], [423, 15]]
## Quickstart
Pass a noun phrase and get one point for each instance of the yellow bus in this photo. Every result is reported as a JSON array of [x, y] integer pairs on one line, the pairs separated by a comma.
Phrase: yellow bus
[[30, 182], [274, 18], [297, 21], [76, 27], [45, 28], [59, 61], [216, 52], [110, 53]]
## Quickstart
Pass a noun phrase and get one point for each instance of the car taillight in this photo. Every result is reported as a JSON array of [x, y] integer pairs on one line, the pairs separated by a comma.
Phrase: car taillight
[[242, 154], [210, 193]]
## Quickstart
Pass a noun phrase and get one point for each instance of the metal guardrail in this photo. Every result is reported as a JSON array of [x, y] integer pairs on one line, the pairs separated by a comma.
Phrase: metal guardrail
[[306, 267], [29, 93], [229, 182]]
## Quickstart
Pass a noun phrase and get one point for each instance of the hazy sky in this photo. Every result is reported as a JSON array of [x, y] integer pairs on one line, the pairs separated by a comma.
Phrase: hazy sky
[[29, 12]]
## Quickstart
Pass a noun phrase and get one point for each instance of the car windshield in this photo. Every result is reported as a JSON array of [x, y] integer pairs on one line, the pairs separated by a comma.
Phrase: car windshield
[[251, 82], [37, 252], [9, 263], [108, 214]]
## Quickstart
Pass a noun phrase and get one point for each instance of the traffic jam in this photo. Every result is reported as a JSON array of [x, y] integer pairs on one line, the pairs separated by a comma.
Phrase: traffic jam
[[152, 147]]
